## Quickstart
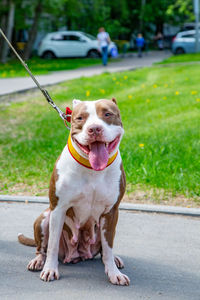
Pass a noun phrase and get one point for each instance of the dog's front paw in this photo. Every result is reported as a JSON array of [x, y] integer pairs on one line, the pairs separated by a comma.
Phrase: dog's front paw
[[118, 278], [37, 263], [49, 274]]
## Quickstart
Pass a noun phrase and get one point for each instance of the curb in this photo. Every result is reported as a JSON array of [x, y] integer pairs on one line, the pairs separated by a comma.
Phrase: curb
[[147, 208], [24, 199], [162, 209]]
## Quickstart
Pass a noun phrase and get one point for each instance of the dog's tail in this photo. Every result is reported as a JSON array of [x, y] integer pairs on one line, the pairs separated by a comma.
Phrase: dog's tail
[[26, 241]]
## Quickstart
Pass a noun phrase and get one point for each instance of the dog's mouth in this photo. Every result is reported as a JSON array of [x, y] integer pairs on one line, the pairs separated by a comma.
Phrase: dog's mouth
[[98, 152]]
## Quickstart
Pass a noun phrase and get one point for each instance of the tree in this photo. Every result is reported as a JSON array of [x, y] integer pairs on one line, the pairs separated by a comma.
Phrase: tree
[[7, 24], [120, 17], [89, 15], [180, 11], [33, 30], [3, 19], [41, 8], [155, 12]]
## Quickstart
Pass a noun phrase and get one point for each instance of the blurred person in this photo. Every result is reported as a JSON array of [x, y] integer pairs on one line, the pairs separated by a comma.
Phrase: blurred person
[[159, 40], [104, 40], [140, 44]]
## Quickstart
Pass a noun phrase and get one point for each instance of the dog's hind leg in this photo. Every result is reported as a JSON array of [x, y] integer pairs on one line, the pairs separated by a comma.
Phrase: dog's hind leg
[[41, 234]]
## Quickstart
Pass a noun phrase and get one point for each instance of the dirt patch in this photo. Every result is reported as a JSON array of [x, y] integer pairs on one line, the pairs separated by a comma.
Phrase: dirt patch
[[161, 197], [20, 96], [21, 189]]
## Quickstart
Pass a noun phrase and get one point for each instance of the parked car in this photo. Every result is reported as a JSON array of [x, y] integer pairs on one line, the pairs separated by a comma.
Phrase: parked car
[[189, 26], [184, 42], [70, 44]]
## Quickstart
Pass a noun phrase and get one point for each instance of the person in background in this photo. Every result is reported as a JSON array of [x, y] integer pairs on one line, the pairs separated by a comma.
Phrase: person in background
[[140, 44], [159, 39], [104, 40]]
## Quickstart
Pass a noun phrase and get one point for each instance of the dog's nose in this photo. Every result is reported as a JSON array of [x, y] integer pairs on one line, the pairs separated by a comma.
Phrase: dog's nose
[[95, 130]]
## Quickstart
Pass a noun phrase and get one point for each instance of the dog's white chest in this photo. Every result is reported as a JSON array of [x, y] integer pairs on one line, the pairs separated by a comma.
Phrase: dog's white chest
[[94, 198], [89, 193]]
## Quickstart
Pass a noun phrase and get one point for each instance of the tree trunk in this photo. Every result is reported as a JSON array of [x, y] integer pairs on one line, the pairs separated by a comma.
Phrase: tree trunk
[[4, 17], [141, 24], [33, 31], [8, 31]]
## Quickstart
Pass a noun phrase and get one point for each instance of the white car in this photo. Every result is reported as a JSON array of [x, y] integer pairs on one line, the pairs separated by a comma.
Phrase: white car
[[70, 44], [184, 42]]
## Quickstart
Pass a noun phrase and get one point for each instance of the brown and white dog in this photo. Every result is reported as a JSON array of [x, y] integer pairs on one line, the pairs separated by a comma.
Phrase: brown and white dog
[[86, 187]]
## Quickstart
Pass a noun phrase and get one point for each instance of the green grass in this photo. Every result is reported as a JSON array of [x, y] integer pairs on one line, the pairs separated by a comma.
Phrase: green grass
[[160, 113], [38, 66], [183, 58]]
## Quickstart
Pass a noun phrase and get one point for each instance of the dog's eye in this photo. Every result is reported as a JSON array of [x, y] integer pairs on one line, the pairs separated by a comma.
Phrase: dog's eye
[[107, 114], [80, 118]]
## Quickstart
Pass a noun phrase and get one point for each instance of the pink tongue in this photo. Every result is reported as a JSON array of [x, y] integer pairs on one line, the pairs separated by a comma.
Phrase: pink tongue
[[98, 156]]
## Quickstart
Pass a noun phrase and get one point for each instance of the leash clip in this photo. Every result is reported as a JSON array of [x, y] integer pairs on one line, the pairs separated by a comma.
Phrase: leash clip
[[65, 117]]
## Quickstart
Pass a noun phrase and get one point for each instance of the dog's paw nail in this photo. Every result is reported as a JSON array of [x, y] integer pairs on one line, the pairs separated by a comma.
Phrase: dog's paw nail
[[49, 275], [36, 264], [119, 279], [119, 262]]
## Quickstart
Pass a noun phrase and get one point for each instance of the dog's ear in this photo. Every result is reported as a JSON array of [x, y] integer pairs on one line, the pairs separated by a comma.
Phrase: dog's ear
[[114, 100], [76, 102]]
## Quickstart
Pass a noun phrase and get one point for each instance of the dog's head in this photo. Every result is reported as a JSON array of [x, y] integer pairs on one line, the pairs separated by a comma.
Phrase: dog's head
[[96, 130]]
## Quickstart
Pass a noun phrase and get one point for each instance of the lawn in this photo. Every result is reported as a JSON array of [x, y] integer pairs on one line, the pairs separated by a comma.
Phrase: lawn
[[160, 148], [183, 58], [38, 66]]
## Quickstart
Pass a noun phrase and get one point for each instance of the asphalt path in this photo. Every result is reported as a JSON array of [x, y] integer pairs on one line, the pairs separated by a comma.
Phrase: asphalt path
[[161, 255], [20, 84]]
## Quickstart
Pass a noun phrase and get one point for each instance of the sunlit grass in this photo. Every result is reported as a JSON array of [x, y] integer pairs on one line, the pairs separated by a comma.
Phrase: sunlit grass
[[182, 58], [38, 66]]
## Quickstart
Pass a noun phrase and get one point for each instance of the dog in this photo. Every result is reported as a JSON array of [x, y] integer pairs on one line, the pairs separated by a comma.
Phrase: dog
[[86, 187]]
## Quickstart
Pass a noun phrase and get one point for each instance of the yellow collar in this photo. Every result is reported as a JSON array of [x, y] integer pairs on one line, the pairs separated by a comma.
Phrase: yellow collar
[[84, 161]]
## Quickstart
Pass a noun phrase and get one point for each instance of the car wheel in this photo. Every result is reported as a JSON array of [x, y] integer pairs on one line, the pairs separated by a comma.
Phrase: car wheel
[[48, 55], [179, 51], [93, 54]]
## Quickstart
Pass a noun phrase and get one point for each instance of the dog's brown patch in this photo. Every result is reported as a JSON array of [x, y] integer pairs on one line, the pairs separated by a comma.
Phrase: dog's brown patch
[[114, 100], [68, 229], [79, 117], [70, 213], [26, 241], [108, 106], [111, 218], [122, 184], [53, 199], [38, 232]]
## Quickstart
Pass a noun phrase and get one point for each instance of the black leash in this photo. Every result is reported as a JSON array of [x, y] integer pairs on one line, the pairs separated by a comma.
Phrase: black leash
[[64, 117]]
